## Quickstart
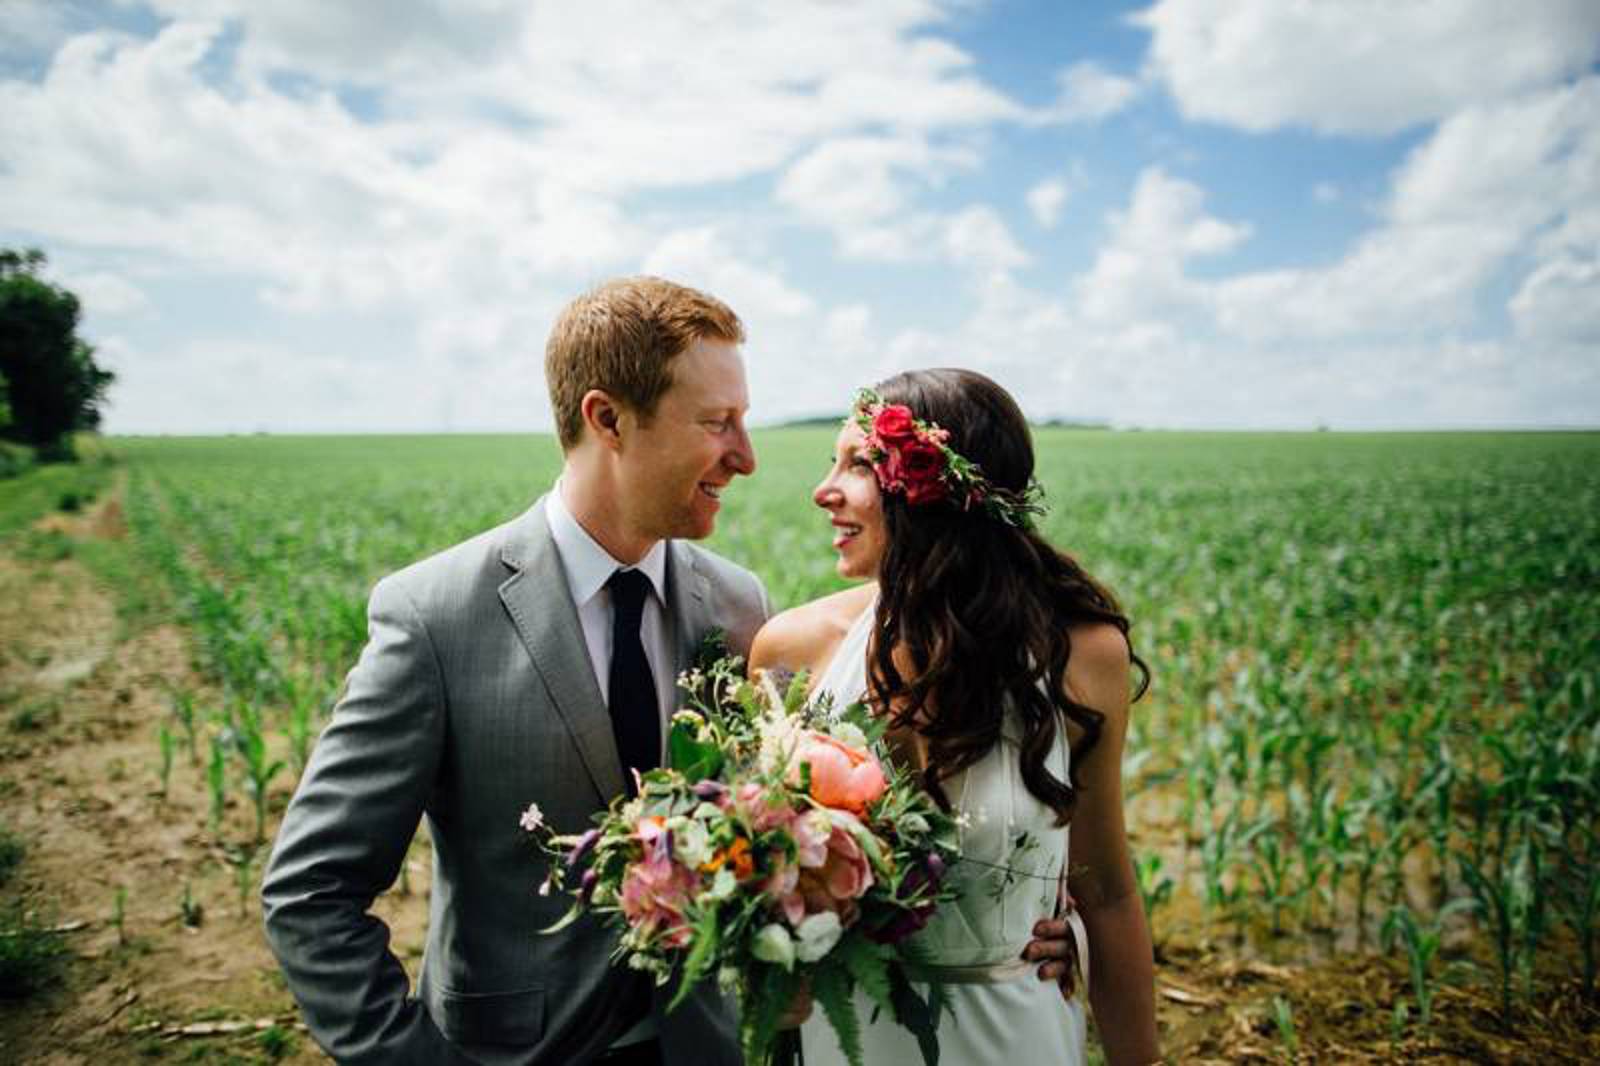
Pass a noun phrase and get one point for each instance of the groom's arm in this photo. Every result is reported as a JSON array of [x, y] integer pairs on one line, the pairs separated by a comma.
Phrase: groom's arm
[[343, 839]]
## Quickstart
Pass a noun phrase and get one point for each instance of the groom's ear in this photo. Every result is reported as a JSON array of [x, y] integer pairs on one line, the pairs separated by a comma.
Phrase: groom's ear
[[603, 415]]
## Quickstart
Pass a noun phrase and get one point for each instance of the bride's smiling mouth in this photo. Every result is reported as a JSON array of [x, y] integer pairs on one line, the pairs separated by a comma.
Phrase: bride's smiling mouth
[[844, 532]]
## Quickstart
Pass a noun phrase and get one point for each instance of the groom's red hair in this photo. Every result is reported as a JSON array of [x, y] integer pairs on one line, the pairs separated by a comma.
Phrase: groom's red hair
[[622, 337]]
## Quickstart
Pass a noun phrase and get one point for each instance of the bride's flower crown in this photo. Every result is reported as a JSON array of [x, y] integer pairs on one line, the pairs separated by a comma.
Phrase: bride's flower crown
[[912, 458]]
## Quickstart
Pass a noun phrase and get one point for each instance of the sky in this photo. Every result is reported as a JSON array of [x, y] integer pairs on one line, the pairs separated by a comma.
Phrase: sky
[[300, 216]]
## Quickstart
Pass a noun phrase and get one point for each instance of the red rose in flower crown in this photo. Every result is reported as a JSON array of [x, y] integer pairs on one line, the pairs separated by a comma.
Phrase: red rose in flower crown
[[914, 458], [894, 425], [922, 469]]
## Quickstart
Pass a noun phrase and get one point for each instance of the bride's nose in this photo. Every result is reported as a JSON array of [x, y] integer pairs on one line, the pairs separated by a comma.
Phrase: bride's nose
[[826, 494]]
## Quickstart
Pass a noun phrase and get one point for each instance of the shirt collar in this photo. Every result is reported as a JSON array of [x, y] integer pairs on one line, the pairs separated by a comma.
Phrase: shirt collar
[[588, 566]]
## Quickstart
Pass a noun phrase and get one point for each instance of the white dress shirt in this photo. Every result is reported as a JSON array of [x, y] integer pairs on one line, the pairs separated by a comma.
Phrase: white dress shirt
[[588, 567]]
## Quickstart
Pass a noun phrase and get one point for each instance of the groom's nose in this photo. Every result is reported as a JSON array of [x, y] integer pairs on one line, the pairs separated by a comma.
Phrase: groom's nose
[[741, 458]]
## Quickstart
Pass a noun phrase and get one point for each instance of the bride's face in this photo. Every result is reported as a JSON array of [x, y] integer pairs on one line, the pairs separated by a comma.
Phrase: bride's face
[[854, 504]]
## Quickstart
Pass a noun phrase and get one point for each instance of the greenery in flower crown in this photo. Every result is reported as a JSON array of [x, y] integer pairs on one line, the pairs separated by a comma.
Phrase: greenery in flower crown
[[913, 458]]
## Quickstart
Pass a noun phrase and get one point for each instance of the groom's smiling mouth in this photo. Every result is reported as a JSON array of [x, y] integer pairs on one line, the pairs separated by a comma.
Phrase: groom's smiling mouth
[[713, 491]]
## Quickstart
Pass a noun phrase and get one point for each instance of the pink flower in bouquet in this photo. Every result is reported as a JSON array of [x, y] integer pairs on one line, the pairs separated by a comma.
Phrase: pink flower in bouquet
[[655, 888], [841, 776], [764, 809], [834, 882]]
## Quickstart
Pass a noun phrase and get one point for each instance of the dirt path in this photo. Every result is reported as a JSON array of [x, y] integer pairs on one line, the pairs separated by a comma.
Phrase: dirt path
[[81, 699]]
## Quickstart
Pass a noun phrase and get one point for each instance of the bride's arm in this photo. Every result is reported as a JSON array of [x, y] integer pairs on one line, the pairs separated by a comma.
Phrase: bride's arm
[[1100, 871]]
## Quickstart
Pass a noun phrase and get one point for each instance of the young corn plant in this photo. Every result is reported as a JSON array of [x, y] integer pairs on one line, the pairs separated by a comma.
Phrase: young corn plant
[[1283, 1019], [242, 859], [166, 742], [1154, 890], [250, 742], [190, 910], [184, 711], [1272, 862], [1421, 941], [217, 781], [304, 701], [1507, 900]]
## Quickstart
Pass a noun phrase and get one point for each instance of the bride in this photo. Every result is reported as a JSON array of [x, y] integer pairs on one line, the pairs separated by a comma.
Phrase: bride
[[1006, 672]]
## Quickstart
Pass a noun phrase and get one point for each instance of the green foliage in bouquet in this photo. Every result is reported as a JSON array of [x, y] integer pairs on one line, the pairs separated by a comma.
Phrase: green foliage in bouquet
[[776, 850]]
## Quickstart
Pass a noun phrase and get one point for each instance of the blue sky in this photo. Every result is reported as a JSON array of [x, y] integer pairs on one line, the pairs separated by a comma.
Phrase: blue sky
[[1260, 214]]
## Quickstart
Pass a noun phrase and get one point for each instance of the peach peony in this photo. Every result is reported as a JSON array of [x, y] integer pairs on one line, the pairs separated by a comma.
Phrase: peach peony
[[841, 776]]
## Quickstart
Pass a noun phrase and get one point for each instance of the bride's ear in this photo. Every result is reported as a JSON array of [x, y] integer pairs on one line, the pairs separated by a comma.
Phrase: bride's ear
[[603, 417]]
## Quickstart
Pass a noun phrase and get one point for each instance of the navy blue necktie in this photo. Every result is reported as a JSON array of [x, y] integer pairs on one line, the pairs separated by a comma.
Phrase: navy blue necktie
[[635, 712]]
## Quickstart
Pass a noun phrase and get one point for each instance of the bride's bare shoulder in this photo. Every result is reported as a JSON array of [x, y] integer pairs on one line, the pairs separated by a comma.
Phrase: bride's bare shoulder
[[804, 637]]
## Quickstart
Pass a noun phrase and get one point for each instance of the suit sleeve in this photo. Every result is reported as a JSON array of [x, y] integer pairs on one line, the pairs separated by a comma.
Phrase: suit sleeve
[[342, 841]]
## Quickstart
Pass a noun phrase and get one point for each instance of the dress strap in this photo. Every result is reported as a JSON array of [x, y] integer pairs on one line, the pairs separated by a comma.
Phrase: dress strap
[[845, 676]]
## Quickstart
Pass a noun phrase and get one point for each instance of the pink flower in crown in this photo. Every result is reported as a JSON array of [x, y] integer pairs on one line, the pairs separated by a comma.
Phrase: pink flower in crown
[[889, 471]]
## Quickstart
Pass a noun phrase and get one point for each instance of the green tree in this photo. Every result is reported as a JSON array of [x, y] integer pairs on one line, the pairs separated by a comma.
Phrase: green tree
[[52, 384]]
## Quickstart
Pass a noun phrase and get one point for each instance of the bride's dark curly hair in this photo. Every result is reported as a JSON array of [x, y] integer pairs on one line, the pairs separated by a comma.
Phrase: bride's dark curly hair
[[976, 610]]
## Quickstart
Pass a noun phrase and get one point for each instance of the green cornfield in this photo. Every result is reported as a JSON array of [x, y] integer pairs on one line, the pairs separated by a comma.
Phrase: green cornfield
[[1374, 722]]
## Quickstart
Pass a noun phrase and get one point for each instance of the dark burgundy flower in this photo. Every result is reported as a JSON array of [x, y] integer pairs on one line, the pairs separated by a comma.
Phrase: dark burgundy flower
[[922, 467]]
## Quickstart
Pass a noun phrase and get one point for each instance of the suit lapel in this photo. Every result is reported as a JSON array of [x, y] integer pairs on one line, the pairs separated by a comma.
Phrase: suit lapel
[[689, 601], [536, 597]]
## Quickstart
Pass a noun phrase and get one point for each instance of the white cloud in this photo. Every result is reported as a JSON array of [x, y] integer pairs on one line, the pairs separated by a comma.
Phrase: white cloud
[[1139, 272], [978, 238], [1046, 201], [398, 197], [862, 189], [1367, 67], [104, 293], [1494, 182], [1089, 93], [1559, 303], [703, 258]]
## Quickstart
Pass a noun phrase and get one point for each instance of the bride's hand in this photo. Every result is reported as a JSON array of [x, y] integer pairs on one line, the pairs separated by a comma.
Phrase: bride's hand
[[799, 1008], [1056, 949]]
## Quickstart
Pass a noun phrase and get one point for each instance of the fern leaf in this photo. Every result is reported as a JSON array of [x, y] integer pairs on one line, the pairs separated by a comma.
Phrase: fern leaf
[[832, 986]]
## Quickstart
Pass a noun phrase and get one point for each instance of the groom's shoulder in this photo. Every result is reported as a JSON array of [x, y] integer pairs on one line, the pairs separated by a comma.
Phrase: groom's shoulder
[[459, 570], [724, 574]]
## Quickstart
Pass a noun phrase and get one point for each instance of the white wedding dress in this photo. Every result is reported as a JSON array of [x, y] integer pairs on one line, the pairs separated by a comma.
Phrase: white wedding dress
[[1012, 856]]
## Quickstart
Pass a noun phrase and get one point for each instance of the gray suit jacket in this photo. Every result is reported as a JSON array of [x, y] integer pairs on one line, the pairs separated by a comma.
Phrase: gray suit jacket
[[473, 698]]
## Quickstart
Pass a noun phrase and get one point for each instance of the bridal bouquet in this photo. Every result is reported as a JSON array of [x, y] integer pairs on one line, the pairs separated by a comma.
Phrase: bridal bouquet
[[774, 851]]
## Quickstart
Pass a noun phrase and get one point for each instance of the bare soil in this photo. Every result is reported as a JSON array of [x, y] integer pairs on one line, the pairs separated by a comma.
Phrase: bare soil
[[81, 698], [82, 694]]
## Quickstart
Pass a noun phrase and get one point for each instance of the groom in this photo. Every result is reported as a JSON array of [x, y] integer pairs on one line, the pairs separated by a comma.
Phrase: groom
[[533, 663]]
